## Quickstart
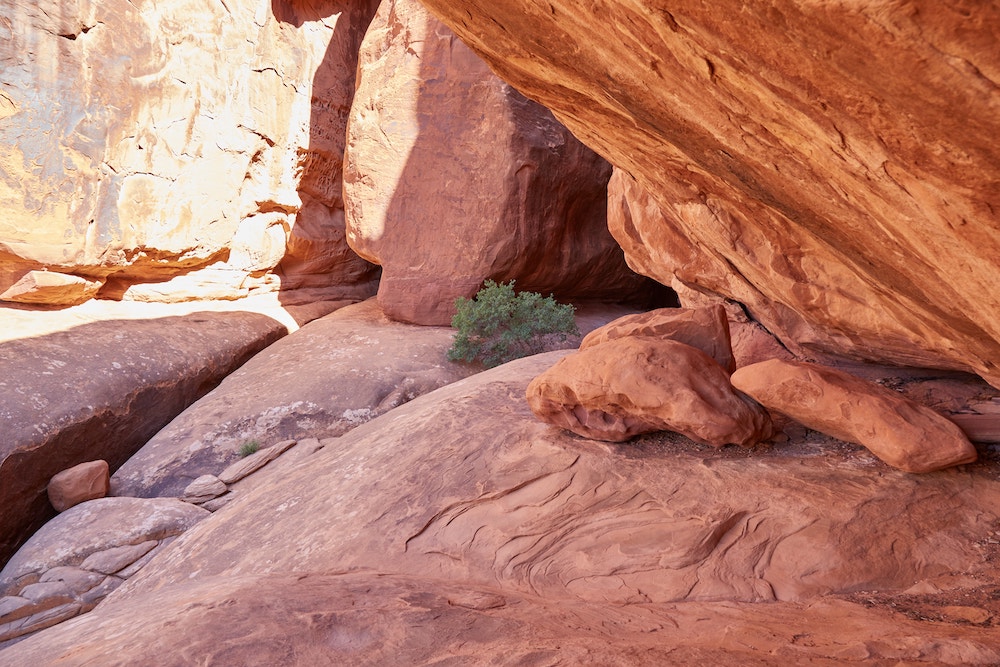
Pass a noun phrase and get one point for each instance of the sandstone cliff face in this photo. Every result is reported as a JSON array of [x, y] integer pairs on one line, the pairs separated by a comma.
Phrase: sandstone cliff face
[[833, 165], [145, 140], [453, 177]]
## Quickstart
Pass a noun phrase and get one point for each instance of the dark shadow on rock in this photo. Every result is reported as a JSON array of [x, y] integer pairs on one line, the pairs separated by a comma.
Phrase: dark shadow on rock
[[100, 391]]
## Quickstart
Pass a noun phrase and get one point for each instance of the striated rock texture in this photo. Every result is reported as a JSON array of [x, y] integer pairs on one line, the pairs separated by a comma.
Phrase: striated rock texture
[[101, 390], [836, 162], [631, 385], [140, 141], [458, 527], [453, 177]]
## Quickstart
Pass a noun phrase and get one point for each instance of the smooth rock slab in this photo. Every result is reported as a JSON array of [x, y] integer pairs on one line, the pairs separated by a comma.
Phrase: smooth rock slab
[[86, 481], [203, 489], [51, 288], [626, 386], [902, 433]]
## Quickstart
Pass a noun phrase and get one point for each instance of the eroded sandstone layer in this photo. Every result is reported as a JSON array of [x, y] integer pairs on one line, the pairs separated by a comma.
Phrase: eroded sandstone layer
[[831, 165], [141, 141]]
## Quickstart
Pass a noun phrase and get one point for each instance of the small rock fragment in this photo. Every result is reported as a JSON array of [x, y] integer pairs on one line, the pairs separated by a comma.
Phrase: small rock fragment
[[112, 560], [80, 483], [51, 287], [203, 489], [52, 592], [254, 462]]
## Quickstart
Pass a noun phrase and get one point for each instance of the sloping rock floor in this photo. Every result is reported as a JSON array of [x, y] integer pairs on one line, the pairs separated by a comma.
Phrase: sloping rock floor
[[460, 530]]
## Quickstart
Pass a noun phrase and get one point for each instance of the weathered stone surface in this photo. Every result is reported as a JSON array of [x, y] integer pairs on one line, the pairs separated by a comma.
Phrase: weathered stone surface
[[77, 580], [203, 488], [704, 328], [128, 379], [110, 561], [250, 464], [515, 539], [899, 431], [452, 177], [520, 507], [52, 593], [819, 154], [358, 619], [51, 288], [13, 607], [96, 526], [330, 376], [85, 481], [626, 386], [45, 618], [137, 148]]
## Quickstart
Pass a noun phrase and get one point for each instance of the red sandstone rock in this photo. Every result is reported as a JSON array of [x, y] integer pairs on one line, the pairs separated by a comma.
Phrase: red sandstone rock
[[73, 486], [706, 329], [627, 386], [902, 433], [452, 177], [831, 165]]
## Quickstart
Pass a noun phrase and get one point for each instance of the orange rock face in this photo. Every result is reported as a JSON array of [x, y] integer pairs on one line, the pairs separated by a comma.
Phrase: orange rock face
[[704, 328], [902, 433], [136, 147], [626, 386], [832, 165], [86, 481], [453, 177]]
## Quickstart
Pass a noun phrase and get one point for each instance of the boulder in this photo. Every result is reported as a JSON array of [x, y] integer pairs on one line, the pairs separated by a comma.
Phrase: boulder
[[815, 160], [73, 486], [327, 378], [228, 174], [704, 328], [127, 380], [631, 385], [452, 177], [899, 431]]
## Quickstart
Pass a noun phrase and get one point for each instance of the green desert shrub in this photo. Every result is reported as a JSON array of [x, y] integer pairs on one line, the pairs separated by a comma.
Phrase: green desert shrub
[[498, 325], [249, 448]]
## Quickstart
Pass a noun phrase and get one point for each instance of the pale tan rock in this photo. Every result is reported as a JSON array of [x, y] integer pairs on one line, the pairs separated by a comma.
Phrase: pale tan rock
[[627, 386], [86, 481], [110, 561], [452, 177], [228, 167], [202, 489], [814, 158], [706, 329], [51, 288], [250, 464], [902, 433]]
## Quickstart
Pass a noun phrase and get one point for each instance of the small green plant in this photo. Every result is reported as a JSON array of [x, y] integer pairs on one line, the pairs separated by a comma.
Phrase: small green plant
[[498, 325], [249, 447]]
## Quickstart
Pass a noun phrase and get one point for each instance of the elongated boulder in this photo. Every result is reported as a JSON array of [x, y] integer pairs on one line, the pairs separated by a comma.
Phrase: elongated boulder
[[838, 160], [100, 391], [899, 431], [141, 141], [452, 177], [627, 386]]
